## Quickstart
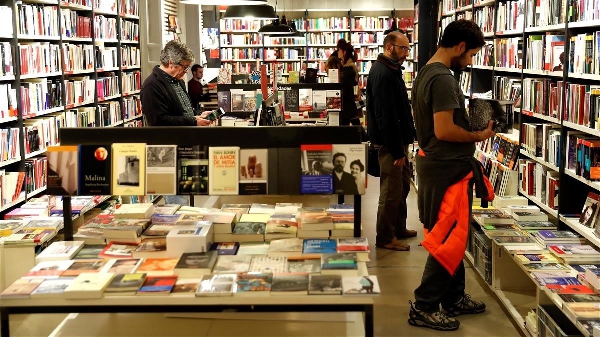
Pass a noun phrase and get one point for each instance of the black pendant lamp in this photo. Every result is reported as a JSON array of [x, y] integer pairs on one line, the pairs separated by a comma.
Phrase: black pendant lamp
[[277, 28], [250, 11]]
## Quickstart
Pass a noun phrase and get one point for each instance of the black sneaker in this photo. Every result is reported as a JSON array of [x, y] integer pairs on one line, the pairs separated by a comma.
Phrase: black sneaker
[[464, 306], [433, 320]]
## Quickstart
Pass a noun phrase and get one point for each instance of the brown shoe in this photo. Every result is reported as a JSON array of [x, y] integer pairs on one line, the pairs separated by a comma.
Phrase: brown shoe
[[395, 247], [409, 233]]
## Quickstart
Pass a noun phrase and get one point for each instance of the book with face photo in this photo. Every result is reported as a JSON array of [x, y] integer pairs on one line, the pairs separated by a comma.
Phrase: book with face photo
[[349, 174], [589, 213], [161, 169]]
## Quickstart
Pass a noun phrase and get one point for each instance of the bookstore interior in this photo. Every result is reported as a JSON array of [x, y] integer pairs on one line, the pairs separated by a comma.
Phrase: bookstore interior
[[97, 211]]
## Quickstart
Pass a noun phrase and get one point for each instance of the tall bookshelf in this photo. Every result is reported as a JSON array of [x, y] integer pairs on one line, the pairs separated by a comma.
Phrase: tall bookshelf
[[242, 48], [554, 106], [73, 63]]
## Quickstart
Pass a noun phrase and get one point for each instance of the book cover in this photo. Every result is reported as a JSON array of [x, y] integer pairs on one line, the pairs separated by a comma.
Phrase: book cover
[[319, 246], [237, 100], [118, 250], [200, 260], [360, 285], [121, 266], [349, 174], [185, 286], [317, 169], [311, 266], [224, 76], [161, 169], [334, 100], [484, 110], [254, 283], [325, 285], [88, 285], [21, 288], [52, 287], [63, 170], [130, 282], [129, 168], [346, 260], [95, 170], [223, 173], [268, 264], [319, 100], [166, 209], [157, 285], [580, 297], [253, 171], [49, 269], [305, 100], [84, 266], [590, 210], [290, 283], [250, 103], [249, 228], [217, 285], [224, 99], [232, 264], [292, 102], [192, 169], [89, 252], [225, 248], [158, 266]]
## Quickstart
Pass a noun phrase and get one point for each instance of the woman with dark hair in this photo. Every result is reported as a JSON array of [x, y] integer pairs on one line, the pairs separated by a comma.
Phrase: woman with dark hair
[[356, 169], [349, 79]]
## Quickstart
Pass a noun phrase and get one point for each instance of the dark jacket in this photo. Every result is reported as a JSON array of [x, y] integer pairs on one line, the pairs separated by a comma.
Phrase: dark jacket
[[345, 185], [389, 117], [160, 104], [198, 93], [348, 80]]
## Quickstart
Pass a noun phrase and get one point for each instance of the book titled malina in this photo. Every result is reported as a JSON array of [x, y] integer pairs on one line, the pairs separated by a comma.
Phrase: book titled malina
[[129, 168], [95, 171], [63, 170], [317, 169], [223, 170]]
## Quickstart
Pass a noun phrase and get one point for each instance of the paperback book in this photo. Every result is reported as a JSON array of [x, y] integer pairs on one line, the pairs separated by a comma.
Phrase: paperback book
[[95, 171], [161, 169]]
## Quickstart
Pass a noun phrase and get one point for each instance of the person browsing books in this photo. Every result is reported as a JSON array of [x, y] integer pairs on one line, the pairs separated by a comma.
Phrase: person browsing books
[[447, 171], [390, 127], [349, 80], [197, 89], [165, 101]]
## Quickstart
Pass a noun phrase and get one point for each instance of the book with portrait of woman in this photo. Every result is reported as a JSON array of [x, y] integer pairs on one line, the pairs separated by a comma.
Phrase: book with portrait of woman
[[349, 170], [589, 213]]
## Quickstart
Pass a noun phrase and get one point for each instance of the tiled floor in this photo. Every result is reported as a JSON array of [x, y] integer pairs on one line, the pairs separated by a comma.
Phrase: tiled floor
[[398, 272]]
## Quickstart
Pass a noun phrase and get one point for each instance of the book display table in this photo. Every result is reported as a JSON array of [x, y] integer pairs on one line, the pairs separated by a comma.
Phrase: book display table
[[172, 304]]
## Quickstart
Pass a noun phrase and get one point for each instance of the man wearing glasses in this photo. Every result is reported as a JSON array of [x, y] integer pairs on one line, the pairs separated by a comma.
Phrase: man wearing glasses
[[390, 127], [165, 102]]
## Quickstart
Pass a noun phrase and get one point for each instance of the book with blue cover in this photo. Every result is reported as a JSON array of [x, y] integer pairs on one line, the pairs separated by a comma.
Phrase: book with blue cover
[[319, 246]]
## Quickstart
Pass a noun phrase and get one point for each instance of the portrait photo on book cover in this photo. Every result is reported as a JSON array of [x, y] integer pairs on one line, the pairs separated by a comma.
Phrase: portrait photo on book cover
[[160, 156], [349, 172], [128, 170]]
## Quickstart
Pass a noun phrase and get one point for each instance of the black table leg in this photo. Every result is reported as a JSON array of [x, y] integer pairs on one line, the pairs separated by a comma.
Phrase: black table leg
[[4, 327], [357, 215], [369, 324]]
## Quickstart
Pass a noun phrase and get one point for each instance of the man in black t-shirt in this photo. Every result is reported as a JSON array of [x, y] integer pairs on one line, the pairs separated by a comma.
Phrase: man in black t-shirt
[[447, 146]]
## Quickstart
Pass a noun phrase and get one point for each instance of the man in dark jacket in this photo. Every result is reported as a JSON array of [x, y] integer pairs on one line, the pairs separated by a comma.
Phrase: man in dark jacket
[[164, 99], [390, 125]]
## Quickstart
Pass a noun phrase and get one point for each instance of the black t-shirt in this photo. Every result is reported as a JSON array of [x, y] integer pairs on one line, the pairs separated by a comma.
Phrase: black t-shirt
[[435, 89]]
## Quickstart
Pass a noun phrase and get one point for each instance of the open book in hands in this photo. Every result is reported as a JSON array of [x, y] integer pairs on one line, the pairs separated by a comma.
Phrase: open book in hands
[[481, 111]]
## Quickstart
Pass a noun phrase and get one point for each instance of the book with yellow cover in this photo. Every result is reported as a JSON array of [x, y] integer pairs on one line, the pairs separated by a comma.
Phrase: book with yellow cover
[[129, 169], [223, 170]]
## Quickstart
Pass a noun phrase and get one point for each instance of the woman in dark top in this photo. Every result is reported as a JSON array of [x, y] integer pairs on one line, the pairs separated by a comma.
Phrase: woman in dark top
[[349, 79]]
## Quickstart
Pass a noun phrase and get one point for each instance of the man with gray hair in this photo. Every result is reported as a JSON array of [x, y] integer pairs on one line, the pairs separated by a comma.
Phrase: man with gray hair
[[165, 102]]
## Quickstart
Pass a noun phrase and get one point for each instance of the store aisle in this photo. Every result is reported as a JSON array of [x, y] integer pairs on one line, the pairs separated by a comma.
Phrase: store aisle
[[398, 273]]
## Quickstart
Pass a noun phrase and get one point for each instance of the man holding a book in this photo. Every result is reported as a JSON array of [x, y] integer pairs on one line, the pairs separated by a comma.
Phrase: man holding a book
[[447, 170]]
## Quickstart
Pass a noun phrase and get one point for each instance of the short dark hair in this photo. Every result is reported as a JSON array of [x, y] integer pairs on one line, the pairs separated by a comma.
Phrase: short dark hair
[[465, 31], [196, 67], [349, 53], [340, 43], [359, 164], [389, 39], [339, 154]]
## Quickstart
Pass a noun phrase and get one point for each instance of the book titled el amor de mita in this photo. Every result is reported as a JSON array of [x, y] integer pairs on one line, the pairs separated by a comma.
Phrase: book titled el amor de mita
[[223, 170]]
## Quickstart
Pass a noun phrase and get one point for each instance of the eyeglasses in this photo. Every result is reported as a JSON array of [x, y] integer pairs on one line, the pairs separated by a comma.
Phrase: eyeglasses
[[185, 68], [405, 48]]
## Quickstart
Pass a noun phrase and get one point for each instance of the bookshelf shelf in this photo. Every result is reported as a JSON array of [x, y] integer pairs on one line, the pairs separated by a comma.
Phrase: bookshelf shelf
[[41, 2], [252, 46], [107, 98], [79, 72], [7, 78], [488, 34], [75, 6], [115, 124], [582, 128], [241, 31], [557, 74], [485, 3], [129, 16], [38, 37], [101, 70], [508, 70], [594, 77], [593, 184], [35, 192], [130, 93], [35, 153], [107, 40], [540, 29], [8, 119], [76, 105], [28, 76], [509, 33], [12, 204], [367, 30], [483, 67], [538, 202], [586, 232], [584, 24], [132, 118], [44, 112], [102, 12], [283, 60], [77, 39], [539, 160], [129, 42], [9, 161], [328, 30], [322, 45], [540, 116], [129, 68]]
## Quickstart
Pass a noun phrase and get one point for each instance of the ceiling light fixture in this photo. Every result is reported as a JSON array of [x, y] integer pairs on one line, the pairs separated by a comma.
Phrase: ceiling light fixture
[[224, 2], [250, 11], [276, 28]]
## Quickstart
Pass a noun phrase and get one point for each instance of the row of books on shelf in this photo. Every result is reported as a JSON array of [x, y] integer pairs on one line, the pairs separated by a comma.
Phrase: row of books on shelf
[[510, 15], [232, 40], [582, 155], [140, 169], [356, 23], [507, 89], [544, 52], [90, 280], [537, 181], [306, 99], [542, 140], [328, 37], [74, 24], [484, 18], [501, 148]]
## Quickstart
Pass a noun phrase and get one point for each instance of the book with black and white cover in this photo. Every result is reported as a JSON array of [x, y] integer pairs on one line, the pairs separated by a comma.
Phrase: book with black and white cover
[[89, 252], [186, 286], [166, 209], [21, 288], [249, 231], [125, 284], [349, 168], [514, 240], [253, 284], [196, 265], [579, 297], [325, 285], [290, 284], [88, 285], [232, 264], [497, 219], [290, 248], [592, 326], [217, 285], [60, 250], [317, 169], [536, 225], [360, 285], [590, 210], [311, 266], [119, 250], [161, 169], [52, 287], [121, 266]]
